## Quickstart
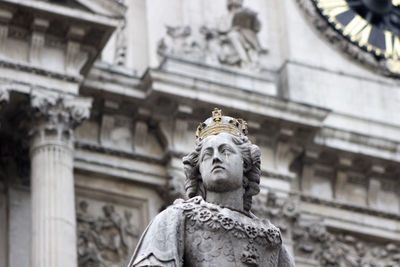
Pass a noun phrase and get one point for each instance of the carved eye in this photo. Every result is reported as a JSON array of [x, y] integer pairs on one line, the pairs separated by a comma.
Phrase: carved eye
[[225, 151], [206, 155]]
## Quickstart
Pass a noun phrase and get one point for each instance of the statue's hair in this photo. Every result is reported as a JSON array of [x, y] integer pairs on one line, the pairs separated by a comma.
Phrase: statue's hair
[[251, 170]]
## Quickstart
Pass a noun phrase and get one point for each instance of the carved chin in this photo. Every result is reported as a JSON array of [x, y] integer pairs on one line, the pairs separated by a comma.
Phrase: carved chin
[[221, 183]]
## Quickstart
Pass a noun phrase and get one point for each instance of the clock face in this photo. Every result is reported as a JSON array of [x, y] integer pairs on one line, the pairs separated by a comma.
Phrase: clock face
[[372, 25]]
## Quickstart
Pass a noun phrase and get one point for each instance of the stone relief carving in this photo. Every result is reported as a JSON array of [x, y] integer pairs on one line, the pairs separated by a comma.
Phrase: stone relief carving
[[282, 212], [106, 239], [314, 241], [320, 246], [232, 42], [367, 59]]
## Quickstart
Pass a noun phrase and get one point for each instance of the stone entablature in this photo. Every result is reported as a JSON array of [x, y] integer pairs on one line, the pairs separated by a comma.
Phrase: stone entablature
[[50, 43]]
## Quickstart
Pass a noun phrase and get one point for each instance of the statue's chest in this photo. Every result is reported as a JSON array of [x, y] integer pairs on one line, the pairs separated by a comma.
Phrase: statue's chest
[[217, 239]]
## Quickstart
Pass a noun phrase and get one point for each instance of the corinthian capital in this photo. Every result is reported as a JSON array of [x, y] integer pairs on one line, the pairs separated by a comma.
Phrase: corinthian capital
[[58, 113]]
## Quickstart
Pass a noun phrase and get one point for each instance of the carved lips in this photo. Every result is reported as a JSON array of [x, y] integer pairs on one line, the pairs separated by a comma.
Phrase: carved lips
[[217, 167]]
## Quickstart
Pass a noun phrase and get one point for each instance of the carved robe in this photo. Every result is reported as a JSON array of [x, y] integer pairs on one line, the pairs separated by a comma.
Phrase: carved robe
[[197, 233]]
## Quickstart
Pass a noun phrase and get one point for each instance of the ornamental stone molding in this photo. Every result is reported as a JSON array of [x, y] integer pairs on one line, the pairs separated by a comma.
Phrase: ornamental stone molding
[[382, 66], [58, 113]]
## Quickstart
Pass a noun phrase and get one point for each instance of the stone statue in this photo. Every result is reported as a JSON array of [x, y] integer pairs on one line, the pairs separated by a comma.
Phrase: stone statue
[[215, 227], [233, 41], [238, 30]]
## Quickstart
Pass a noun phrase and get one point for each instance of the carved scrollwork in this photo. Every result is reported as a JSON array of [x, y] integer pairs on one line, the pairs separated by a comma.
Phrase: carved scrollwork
[[106, 240]]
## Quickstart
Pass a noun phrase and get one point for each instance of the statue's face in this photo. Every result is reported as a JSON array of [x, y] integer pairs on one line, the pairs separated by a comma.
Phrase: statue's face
[[221, 164]]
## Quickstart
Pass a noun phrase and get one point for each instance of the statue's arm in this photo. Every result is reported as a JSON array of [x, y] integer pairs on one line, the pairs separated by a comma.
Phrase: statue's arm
[[162, 242], [285, 260]]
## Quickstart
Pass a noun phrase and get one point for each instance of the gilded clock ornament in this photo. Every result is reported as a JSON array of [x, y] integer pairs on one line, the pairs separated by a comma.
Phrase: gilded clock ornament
[[367, 30]]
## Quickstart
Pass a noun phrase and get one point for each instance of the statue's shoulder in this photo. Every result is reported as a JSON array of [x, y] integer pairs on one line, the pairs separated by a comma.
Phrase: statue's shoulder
[[264, 223], [189, 204]]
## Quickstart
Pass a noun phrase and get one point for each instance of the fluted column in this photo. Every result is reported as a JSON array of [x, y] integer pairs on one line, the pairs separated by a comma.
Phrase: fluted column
[[52, 181]]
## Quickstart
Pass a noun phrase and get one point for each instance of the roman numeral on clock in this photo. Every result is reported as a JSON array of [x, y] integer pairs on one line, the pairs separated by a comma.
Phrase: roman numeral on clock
[[392, 43], [332, 8], [358, 30]]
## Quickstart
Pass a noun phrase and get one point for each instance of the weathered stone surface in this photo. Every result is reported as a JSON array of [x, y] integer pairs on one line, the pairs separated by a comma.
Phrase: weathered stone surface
[[224, 168], [107, 233]]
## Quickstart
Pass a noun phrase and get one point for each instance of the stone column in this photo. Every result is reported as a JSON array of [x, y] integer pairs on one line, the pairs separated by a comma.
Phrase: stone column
[[52, 180]]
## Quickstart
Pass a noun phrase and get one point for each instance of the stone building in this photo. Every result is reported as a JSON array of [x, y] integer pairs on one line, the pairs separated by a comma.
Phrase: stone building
[[100, 99]]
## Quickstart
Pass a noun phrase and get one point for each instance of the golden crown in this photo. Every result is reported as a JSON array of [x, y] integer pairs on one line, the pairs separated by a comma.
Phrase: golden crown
[[221, 124]]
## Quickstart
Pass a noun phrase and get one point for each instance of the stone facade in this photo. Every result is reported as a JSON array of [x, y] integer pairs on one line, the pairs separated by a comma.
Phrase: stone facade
[[99, 101]]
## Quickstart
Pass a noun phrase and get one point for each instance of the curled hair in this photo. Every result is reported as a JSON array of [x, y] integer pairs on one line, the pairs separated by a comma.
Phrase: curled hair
[[251, 170]]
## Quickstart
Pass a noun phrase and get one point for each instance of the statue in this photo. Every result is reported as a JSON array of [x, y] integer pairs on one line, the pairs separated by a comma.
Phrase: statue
[[238, 34], [232, 41], [215, 226]]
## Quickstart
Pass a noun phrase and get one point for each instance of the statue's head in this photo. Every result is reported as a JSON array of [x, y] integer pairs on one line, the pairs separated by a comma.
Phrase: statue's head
[[233, 4], [223, 160]]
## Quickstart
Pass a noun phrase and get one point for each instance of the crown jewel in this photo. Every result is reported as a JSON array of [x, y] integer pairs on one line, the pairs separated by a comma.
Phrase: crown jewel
[[221, 124]]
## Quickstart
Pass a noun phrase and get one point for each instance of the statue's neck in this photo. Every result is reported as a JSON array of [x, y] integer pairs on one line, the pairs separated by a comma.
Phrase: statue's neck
[[232, 199]]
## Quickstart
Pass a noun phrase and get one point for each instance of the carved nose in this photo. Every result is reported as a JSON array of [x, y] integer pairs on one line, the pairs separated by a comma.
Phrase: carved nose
[[216, 158]]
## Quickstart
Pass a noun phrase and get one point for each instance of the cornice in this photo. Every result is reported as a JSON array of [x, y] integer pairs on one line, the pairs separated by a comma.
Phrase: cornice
[[114, 80], [372, 146], [65, 11], [349, 207], [160, 159], [20, 66], [253, 99]]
